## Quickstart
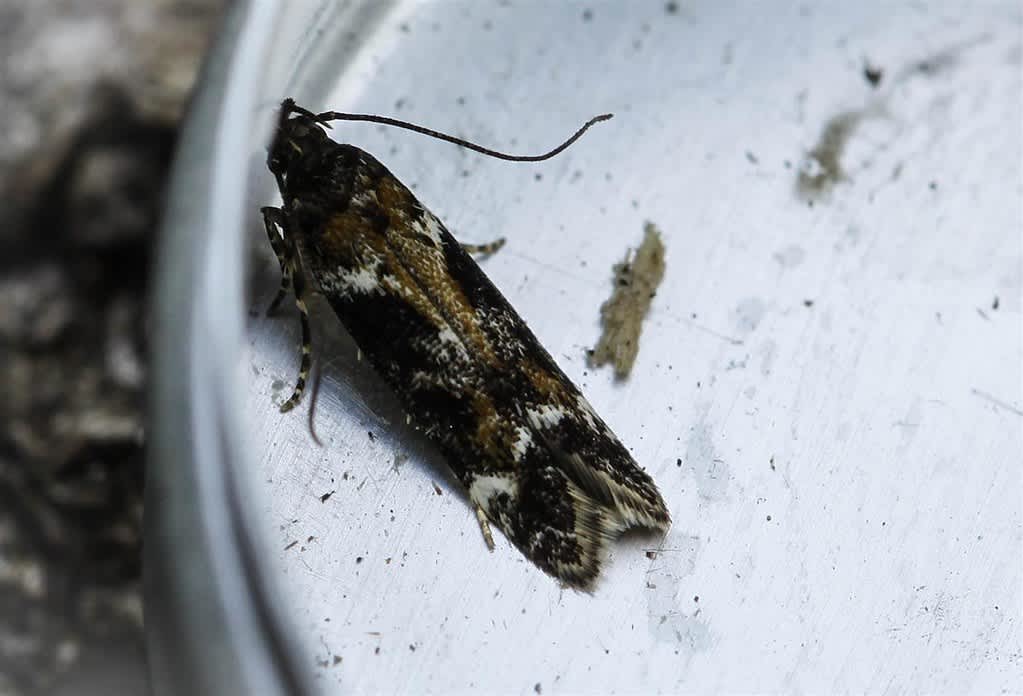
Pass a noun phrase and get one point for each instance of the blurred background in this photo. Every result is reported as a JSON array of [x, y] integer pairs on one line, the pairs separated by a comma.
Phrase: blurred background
[[91, 93]]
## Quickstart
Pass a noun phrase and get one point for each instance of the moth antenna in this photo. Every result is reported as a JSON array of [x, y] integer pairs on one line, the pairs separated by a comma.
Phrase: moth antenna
[[384, 120]]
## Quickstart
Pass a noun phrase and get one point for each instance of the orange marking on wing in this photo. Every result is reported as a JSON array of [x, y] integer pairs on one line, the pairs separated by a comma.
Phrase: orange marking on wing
[[425, 263], [493, 431], [550, 386]]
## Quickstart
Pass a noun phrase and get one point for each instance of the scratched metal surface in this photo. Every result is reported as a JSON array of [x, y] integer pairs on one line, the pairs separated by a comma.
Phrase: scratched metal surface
[[828, 391]]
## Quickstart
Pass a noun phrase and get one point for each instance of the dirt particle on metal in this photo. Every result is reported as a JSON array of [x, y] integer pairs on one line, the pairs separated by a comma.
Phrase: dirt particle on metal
[[873, 74], [822, 168], [635, 284]]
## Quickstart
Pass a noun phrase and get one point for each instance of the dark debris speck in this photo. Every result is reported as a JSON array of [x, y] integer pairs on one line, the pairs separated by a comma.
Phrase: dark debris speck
[[873, 74]]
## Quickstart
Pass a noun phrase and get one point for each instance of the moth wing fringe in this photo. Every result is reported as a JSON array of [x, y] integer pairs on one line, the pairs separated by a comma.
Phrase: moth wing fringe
[[596, 526], [633, 506]]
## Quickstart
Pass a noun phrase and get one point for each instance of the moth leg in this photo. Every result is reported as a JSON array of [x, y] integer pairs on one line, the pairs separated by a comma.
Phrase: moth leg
[[488, 537], [485, 249], [298, 282], [273, 218], [282, 292]]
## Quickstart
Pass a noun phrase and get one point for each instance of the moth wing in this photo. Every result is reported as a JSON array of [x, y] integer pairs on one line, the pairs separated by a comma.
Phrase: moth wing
[[515, 431], [571, 486]]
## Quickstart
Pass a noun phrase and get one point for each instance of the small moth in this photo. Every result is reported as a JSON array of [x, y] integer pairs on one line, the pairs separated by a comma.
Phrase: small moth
[[534, 457]]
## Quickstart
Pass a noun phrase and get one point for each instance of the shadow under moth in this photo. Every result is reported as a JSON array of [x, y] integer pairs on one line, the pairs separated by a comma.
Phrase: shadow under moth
[[534, 457]]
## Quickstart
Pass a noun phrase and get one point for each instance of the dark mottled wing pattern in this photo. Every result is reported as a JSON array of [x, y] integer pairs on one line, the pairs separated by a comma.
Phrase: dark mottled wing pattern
[[524, 442]]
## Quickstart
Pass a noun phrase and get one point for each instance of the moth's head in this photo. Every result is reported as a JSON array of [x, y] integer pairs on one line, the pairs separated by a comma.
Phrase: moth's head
[[298, 134]]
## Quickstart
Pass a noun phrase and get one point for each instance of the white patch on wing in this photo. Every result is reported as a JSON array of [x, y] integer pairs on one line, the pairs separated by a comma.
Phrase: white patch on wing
[[545, 416], [523, 441], [450, 342], [362, 180], [431, 227], [446, 335], [589, 415], [485, 488], [364, 280], [422, 379], [363, 198]]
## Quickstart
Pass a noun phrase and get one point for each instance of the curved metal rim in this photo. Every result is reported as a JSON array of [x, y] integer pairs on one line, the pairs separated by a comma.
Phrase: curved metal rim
[[203, 576]]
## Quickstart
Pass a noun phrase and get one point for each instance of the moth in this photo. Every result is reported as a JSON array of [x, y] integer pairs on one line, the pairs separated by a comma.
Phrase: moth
[[533, 456]]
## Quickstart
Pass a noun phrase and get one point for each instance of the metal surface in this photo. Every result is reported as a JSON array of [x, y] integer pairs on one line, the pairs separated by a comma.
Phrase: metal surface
[[828, 392]]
